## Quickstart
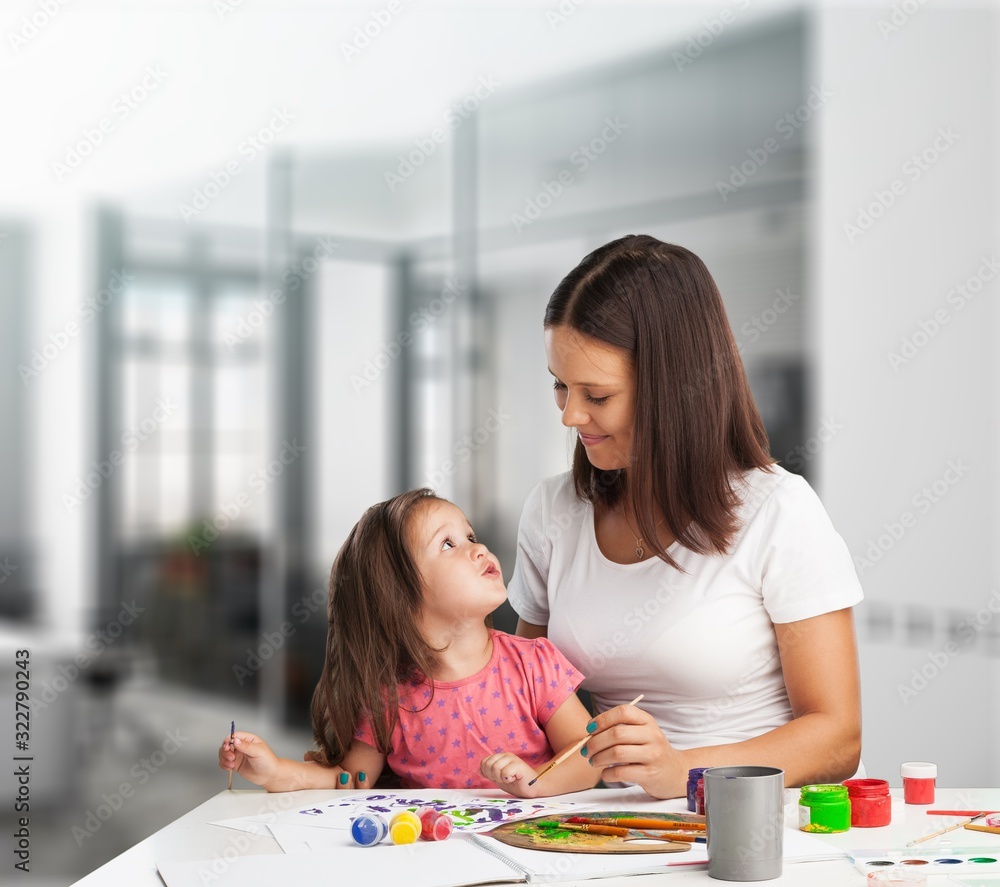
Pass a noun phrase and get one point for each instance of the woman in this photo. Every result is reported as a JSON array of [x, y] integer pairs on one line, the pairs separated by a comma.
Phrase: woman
[[676, 559]]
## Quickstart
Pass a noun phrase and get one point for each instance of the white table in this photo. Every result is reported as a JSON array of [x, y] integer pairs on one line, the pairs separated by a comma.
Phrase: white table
[[192, 838]]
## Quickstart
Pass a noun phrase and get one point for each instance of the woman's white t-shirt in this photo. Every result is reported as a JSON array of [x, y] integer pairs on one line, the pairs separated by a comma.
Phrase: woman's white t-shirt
[[700, 644]]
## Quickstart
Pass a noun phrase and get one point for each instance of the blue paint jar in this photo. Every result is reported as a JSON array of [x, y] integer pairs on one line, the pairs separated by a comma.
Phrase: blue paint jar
[[369, 829], [693, 776]]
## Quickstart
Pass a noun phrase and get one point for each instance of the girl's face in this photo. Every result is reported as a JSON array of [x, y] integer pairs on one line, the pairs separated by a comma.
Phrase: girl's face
[[461, 579], [595, 391]]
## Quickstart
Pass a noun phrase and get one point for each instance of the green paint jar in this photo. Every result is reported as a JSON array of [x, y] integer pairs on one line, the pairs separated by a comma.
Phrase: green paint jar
[[824, 809]]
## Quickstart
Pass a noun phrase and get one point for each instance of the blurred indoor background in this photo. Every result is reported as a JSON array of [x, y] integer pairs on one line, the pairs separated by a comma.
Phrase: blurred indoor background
[[263, 264]]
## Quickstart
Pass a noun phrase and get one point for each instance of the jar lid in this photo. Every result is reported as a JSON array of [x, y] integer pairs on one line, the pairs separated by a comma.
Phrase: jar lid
[[824, 794], [866, 787], [918, 770]]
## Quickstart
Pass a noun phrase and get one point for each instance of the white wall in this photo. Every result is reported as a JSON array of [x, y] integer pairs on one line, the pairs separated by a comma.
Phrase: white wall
[[903, 426]]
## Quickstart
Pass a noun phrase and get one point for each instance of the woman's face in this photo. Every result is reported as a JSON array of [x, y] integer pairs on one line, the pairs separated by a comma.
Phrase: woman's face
[[595, 391]]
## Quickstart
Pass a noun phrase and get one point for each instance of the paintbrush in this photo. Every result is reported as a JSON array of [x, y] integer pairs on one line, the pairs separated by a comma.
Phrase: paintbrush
[[959, 812], [993, 830], [942, 831], [683, 837], [575, 747], [576, 827], [635, 822], [232, 735], [553, 825]]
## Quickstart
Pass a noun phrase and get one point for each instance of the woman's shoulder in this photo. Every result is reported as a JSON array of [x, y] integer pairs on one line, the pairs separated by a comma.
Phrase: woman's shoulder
[[773, 486], [776, 500], [553, 487], [554, 494]]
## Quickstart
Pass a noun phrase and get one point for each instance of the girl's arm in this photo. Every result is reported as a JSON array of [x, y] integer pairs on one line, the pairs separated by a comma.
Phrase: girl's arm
[[566, 726], [363, 765], [254, 760], [821, 744]]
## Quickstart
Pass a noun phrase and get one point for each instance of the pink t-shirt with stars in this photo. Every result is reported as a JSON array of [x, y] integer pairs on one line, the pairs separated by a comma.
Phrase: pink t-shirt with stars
[[441, 737]]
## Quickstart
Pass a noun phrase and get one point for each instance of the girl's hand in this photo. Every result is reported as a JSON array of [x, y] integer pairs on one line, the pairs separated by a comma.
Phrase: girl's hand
[[249, 756], [343, 779], [628, 746], [347, 780], [510, 773]]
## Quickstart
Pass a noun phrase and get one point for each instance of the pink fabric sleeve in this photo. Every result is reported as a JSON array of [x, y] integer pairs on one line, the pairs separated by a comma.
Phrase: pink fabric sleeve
[[364, 731], [556, 679]]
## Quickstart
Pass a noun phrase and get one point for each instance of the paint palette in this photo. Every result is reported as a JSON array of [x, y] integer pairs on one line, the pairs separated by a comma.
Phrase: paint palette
[[984, 863], [539, 834]]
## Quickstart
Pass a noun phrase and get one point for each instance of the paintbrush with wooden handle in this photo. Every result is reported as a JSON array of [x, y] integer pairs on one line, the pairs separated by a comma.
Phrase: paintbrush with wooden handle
[[575, 747]]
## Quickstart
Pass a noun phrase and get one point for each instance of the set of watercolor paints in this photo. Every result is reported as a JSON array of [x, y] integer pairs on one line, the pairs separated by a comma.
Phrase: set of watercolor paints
[[964, 866]]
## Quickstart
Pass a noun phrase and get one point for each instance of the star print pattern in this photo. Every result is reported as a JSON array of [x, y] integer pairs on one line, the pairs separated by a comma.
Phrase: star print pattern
[[504, 707]]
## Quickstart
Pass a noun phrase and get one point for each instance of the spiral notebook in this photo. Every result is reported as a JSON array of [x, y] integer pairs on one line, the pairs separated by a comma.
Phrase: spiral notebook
[[461, 861], [465, 860]]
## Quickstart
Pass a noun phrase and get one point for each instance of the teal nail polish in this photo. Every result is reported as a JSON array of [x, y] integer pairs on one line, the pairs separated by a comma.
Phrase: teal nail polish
[[362, 776], [592, 726], [343, 778], [583, 751]]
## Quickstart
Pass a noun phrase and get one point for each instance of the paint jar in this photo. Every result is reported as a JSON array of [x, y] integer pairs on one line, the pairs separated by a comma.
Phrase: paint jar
[[871, 806], [369, 829], [434, 825], [699, 797], [693, 776], [919, 778], [824, 809], [404, 827]]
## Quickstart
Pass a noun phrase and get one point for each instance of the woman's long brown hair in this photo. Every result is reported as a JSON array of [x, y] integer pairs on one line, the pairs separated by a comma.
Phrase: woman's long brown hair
[[372, 640], [696, 423]]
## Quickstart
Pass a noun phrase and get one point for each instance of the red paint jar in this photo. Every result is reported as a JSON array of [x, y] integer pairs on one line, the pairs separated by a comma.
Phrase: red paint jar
[[699, 797], [871, 806], [919, 778], [434, 825]]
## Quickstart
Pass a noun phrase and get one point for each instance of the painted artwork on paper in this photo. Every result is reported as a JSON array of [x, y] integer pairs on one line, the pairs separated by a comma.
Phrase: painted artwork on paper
[[469, 814]]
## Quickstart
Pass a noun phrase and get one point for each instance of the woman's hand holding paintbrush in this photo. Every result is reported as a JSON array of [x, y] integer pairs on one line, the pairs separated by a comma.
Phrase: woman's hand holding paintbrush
[[574, 748], [627, 745]]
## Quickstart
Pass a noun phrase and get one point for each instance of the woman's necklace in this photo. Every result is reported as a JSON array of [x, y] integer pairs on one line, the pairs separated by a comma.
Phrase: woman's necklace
[[640, 552]]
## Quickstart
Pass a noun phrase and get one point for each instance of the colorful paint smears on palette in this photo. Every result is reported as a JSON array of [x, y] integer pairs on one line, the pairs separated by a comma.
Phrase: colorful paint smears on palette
[[594, 832], [473, 814]]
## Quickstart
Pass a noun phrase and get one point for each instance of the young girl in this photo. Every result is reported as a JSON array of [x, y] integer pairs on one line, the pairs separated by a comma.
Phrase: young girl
[[415, 678]]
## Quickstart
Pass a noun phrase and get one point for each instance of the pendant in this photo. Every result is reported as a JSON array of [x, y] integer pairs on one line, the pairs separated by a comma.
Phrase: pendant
[[639, 551]]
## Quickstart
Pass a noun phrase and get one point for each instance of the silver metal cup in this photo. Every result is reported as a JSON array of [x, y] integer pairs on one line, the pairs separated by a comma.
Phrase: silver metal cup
[[745, 822]]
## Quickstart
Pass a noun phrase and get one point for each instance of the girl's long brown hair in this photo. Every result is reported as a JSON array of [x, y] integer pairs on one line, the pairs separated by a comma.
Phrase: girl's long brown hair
[[372, 640], [696, 423]]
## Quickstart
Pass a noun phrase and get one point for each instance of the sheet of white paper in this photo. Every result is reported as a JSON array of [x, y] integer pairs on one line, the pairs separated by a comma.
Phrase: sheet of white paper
[[256, 825], [297, 838]]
